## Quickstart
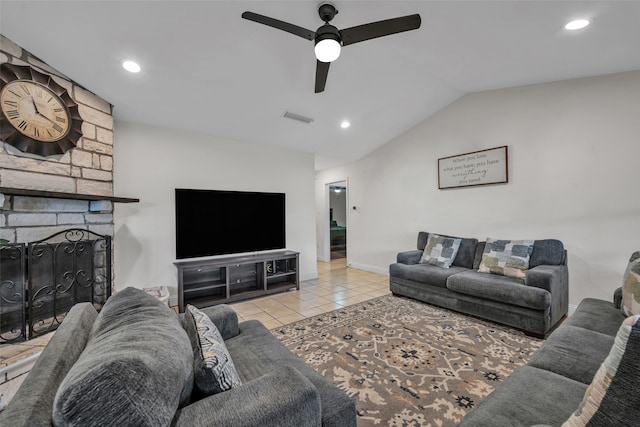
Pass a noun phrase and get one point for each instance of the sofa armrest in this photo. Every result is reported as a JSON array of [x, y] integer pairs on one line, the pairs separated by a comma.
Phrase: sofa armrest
[[555, 280], [225, 319], [32, 404], [283, 397], [617, 298], [409, 257], [552, 278]]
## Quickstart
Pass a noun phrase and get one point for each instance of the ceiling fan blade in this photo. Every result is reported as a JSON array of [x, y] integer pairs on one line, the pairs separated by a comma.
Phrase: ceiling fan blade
[[280, 25], [373, 30], [322, 71]]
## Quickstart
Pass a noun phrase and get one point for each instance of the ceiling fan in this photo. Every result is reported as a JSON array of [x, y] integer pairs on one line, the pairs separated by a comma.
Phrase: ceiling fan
[[329, 40]]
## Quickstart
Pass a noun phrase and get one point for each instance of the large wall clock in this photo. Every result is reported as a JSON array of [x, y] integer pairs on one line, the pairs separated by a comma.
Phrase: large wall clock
[[38, 115]]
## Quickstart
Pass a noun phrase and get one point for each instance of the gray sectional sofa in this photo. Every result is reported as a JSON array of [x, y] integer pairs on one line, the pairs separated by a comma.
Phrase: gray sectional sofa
[[534, 304], [278, 388], [551, 386]]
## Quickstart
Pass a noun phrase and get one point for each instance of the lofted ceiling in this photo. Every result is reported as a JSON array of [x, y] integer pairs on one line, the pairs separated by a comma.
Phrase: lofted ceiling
[[206, 70]]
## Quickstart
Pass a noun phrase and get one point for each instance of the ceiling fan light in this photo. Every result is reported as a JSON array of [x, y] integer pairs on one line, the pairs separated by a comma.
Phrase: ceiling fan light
[[327, 50]]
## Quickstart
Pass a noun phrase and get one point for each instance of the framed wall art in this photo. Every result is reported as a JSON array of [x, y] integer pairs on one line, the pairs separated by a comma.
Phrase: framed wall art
[[482, 167]]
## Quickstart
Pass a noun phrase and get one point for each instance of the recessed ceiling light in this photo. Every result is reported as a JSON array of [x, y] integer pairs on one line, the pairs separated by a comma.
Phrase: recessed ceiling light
[[345, 124], [131, 66], [577, 24]]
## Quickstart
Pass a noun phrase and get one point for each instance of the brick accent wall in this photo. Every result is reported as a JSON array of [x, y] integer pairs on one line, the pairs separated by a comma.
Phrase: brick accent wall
[[86, 169]]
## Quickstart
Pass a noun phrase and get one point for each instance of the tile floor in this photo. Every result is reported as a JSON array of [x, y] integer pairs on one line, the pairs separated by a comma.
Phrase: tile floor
[[336, 286]]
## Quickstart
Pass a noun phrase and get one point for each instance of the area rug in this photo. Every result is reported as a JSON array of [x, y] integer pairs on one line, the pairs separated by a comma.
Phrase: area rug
[[406, 363]]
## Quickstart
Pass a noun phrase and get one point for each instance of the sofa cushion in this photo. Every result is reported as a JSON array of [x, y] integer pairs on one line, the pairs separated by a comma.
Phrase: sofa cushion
[[136, 369], [631, 286], [547, 252], [256, 352], [466, 251], [573, 352], [613, 396], [214, 371], [440, 251], [424, 273], [506, 257], [527, 397], [597, 315], [499, 288]]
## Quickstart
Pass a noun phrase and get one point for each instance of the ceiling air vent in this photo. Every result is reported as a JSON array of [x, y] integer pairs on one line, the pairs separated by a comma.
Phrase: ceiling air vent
[[297, 117]]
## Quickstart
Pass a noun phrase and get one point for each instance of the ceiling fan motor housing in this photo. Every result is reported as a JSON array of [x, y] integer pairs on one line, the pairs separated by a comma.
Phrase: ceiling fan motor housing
[[328, 32]]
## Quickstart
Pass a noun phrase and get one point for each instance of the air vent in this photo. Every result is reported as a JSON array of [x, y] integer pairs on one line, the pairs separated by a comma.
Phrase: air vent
[[297, 117]]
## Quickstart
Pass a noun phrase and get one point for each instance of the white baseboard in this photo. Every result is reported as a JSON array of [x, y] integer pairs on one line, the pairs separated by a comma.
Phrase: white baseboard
[[369, 268], [572, 309]]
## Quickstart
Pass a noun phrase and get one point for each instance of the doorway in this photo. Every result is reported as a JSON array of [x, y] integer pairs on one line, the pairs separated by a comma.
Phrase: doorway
[[338, 220]]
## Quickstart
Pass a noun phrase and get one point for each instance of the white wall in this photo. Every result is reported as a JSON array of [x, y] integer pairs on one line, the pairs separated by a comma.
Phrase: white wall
[[574, 156], [149, 163]]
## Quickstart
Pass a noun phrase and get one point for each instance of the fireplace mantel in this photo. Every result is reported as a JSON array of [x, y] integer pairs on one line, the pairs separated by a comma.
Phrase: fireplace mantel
[[61, 195]]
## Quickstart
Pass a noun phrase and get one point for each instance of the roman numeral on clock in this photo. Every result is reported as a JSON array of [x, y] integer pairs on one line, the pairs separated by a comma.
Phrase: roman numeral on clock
[[11, 103], [57, 127], [13, 114], [23, 125]]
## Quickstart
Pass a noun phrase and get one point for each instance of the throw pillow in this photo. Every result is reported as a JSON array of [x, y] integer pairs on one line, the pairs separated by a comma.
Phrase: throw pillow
[[612, 397], [506, 257], [631, 286], [440, 251], [136, 369], [214, 369]]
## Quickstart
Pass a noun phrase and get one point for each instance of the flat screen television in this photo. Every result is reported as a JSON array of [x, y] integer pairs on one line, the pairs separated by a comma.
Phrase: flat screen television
[[213, 222]]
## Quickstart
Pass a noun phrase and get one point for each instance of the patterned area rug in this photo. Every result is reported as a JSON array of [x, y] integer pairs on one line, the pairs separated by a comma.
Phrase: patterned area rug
[[407, 363]]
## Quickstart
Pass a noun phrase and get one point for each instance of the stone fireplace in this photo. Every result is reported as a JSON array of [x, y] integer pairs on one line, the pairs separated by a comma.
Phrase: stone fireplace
[[41, 196]]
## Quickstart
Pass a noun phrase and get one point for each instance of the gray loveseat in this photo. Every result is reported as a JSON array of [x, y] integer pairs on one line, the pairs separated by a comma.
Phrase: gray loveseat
[[550, 388], [278, 388], [535, 304]]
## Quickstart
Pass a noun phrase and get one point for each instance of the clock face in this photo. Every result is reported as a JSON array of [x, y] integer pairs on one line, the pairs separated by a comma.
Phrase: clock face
[[35, 111], [37, 115]]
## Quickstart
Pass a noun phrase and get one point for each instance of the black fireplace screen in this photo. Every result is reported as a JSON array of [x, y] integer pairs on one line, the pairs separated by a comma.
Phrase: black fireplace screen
[[41, 281]]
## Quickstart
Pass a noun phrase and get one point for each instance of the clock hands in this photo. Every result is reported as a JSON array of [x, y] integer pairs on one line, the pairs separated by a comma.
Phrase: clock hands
[[37, 110]]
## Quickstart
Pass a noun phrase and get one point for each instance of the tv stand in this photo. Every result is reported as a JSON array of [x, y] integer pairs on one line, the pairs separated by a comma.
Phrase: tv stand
[[203, 283]]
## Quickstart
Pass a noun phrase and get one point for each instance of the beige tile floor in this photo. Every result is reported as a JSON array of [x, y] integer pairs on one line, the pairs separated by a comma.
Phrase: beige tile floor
[[336, 286]]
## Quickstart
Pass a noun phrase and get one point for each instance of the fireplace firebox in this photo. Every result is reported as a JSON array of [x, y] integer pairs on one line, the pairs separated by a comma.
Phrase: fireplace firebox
[[40, 281]]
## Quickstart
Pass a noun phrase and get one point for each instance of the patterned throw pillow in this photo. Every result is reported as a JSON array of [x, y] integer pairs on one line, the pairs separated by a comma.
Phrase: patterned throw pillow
[[613, 395], [214, 369], [440, 251], [506, 257], [631, 286]]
